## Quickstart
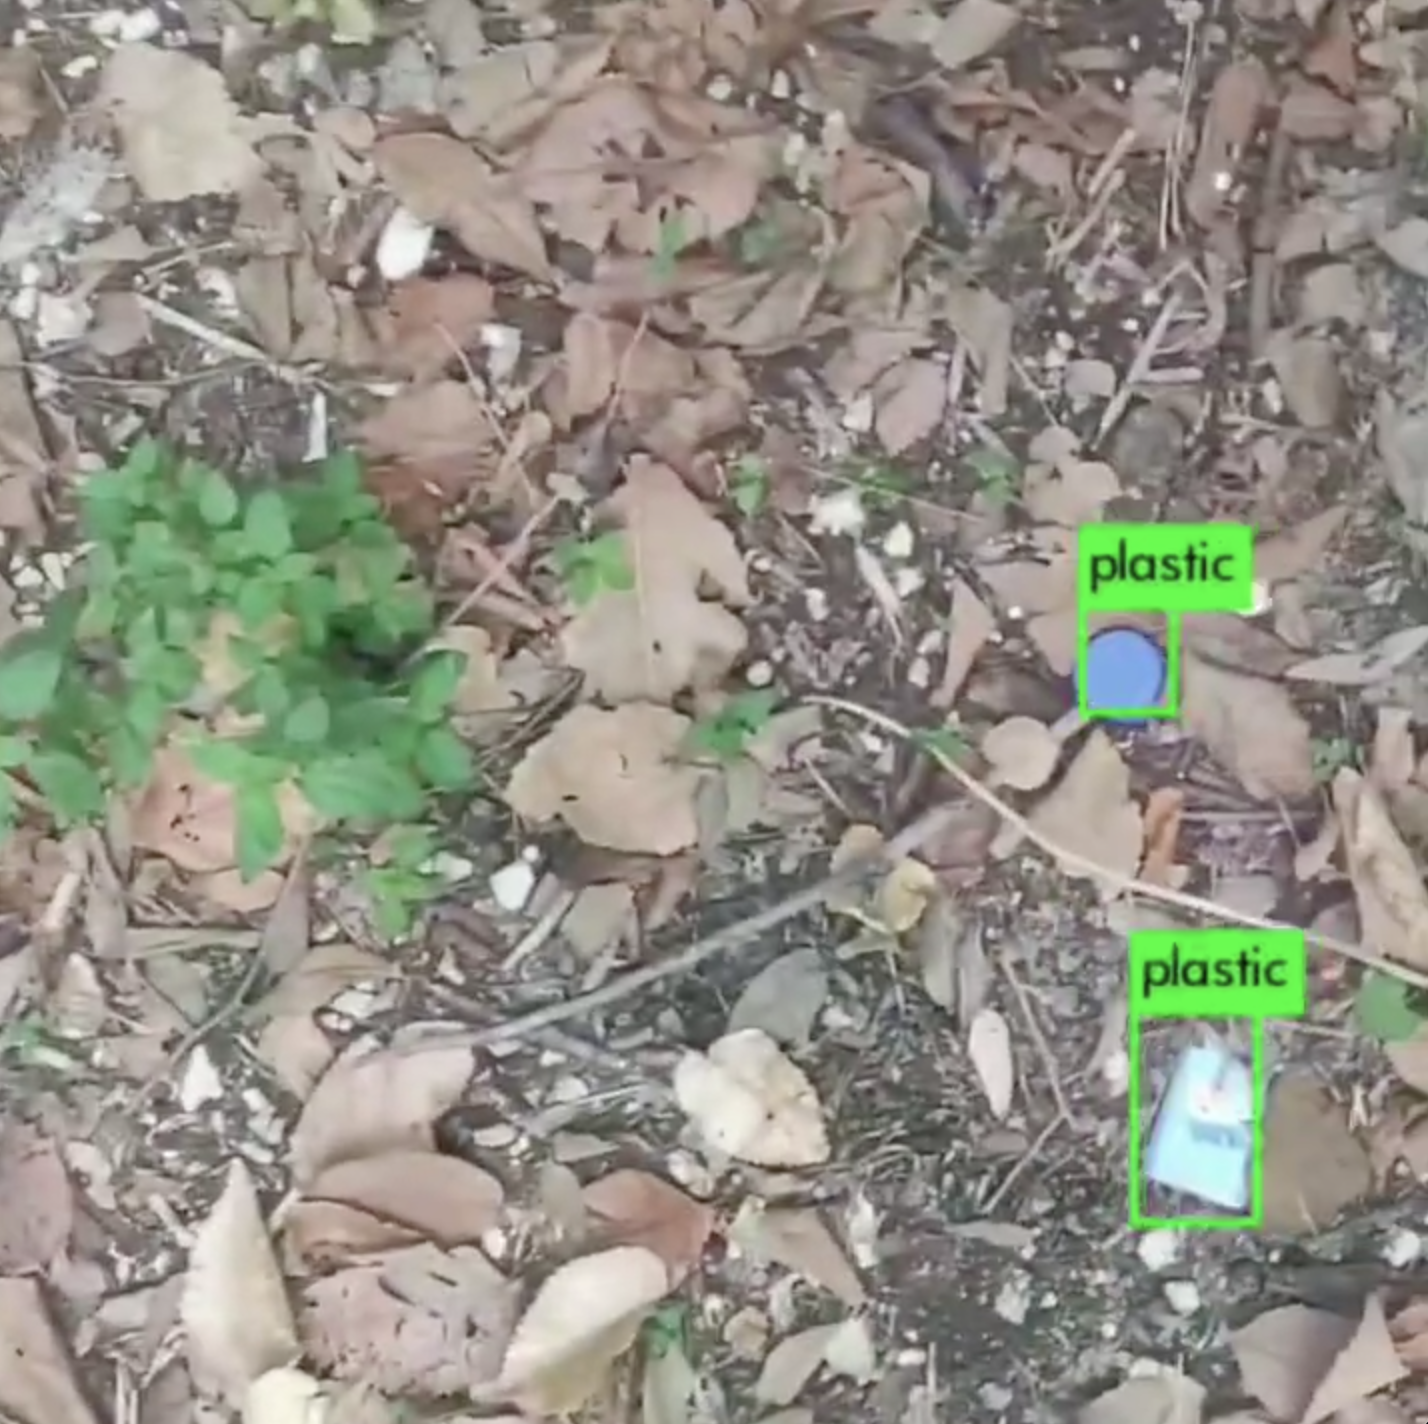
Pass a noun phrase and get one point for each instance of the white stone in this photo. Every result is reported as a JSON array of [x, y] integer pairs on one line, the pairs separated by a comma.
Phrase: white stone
[[404, 245]]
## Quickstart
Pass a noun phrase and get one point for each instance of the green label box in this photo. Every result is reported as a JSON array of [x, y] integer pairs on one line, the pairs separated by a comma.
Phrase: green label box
[[1166, 569], [1211, 974]]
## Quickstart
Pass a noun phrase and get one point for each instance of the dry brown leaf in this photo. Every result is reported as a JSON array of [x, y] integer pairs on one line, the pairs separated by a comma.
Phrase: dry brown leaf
[[969, 625], [613, 778], [1163, 810], [503, 94], [705, 160], [191, 820], [799, 1239], [24, 457], [1166, 1397], [181, 133], [376, 1100], [1238, 97], [20, 91], [419, 1321], [660, 638], [1364, 667], [1409, 1329], [234, 1307], [433, 321], [909, 401], [632, 1208], [1304, 1364], [1314, 1166], [1307, 368], [1251, 727], [447, 1200], [1406, 245], [971, 30], [1392, 760], [581, 1320], [319, 1236], [1388, 886], [1022, 753], [39, 1201], [1300, 548], [37, 1384], [749, 1100], [791, 1363], [1090, 811], [443, 182], [290, 1042]]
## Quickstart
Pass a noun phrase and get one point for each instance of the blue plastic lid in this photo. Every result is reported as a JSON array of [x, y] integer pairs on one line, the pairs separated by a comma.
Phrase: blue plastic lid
[[1124, 668]]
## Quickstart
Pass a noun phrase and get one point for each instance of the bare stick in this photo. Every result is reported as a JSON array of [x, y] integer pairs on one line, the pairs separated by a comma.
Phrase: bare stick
[[1043, 1049], [1139, 368], [745, 933], [1084, 865]]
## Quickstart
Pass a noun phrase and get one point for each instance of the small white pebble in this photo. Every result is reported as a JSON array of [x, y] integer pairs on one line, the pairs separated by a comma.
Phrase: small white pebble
[[105, 25], [899, 541], [1014, 1299], [450, 867], [906, 581], [780, 85], [1158, 1249], [1403, 1248], [139, 26], [919, 673], [760, 674], [1183, 1297], [200, 1082], [503, 350], [720, 88], [512, 886], [841, 512], [80, 65], [857, 417], [404, 245], [24, 304], [816, 601], [55, 568], [1115, 1072]]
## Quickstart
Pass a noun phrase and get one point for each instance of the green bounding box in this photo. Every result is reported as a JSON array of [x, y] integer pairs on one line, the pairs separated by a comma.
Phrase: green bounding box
[[1223, 973], [1165, 568]]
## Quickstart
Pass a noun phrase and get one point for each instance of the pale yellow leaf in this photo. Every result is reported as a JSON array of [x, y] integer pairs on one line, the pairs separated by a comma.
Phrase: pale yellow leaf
[[234, 1306], [663, 636], [749, 1100], [375, 1100], [613, 776]]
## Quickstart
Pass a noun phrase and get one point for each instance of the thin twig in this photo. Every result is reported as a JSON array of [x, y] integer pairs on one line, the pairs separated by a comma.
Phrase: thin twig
[[1022, 1163], [1139, 368], [219, 340], [742, 935], [1130, 884], [1038, 1038]]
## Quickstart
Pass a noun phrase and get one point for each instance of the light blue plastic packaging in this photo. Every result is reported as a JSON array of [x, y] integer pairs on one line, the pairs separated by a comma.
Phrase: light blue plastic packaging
[[1203, 1139]]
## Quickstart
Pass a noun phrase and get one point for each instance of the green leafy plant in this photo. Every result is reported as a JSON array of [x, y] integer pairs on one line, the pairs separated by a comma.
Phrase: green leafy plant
[[749, 485], [1330, 755], [275, 635], [997, 473], [727, 734], [671, 239], [351, 22], [1388, 1009], [945, 743], [599, 564], [882, 485]]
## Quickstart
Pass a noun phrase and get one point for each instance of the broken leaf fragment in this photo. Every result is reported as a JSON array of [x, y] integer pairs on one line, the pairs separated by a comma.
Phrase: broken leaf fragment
[[614, 777], [583, 1318], [750, 1100], [234, 1306]]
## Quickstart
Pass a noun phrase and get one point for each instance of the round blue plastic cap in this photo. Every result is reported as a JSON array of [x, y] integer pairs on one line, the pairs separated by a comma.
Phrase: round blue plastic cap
[[1124, 668]]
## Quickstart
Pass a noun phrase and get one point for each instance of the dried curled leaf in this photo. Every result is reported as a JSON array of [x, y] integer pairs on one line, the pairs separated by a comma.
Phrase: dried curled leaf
[[234, 1306], [1392, 900], [613, 777], [662, 636], [582, 1319], [751, 1101]]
